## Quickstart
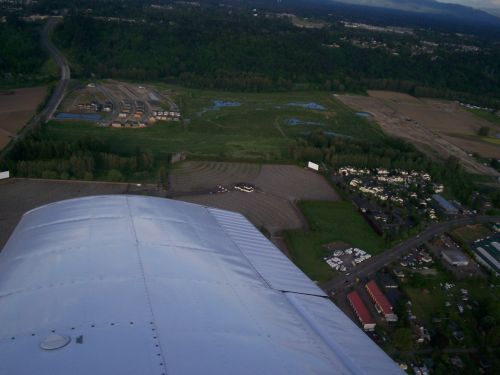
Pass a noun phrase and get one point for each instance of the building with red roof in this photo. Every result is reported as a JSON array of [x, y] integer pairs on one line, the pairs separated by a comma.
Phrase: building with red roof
[[382, 304], [361, 311]]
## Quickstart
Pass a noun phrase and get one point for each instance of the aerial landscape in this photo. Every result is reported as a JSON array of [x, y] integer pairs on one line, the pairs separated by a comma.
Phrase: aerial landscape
[[361, 138]]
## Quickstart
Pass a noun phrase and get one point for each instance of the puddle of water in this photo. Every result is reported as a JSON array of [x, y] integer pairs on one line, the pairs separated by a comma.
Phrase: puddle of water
[[218, 104], [295, 121], [312, 105], [78, 116]]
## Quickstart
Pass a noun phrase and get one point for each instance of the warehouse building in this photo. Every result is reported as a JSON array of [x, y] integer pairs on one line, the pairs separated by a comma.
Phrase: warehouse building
[[141, 285], [487, 252], [455, 257], [381, 302], [364, 316], [446, 206]]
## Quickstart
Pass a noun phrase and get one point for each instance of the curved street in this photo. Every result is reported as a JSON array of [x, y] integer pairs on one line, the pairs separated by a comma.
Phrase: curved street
[[377, 262], [59, 91], [62, 62]]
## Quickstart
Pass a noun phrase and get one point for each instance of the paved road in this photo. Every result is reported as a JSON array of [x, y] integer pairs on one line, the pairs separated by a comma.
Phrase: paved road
[[58, 94], [377, 262], [61, 61]]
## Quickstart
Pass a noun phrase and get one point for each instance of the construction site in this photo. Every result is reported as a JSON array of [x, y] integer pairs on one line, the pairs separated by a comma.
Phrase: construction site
[[119, 105]]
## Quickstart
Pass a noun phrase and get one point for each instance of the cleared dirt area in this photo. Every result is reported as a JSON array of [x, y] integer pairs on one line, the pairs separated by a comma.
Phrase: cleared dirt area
[[286, 181], [441, 127], [200, 175], [4, 140], [391, 95], [270, 205], [453, 123], [294, 183], [261, 209], [16, 108], [20, 195]]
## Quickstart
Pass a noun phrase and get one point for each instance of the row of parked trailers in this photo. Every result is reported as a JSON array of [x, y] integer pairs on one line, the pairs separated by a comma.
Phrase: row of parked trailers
[[95, 106], [381, 303]]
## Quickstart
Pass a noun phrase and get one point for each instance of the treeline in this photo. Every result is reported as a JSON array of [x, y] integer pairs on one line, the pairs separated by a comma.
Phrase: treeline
[[213, 48], [86, 159], [21, 55], [390, 153]]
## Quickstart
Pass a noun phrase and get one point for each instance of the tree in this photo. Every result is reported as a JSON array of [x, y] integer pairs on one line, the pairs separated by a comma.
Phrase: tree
[[483, 131], [114, 175], [163, 177], [403, 339]]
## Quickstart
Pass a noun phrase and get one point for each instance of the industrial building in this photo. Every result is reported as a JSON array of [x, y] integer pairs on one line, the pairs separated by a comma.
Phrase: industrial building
[[123, 284], [455, 257], [487, 252], [381, 302], [364, 316], [446, 206]]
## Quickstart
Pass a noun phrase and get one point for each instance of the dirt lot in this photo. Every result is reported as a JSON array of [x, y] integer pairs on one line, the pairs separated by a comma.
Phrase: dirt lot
[[439, 128], [393, 96], [200, 175], [16, 108], [271, 205], [285, 181], [294, 183], [4, 140], [261, 209], [20, 195]]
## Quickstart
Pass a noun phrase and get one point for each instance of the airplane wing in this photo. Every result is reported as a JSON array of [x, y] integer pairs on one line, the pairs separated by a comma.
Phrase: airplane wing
[[141, 285]]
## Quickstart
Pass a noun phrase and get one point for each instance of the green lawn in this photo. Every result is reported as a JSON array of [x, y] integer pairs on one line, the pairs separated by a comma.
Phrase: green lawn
[[426, 305], [495, 141], [488, 116], [257, 130], [471, 233], [329, 221], [429, 303]]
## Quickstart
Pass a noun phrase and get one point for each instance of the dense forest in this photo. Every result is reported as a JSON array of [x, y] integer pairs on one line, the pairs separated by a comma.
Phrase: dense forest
[[217, 48], [87, 158], [21, 55]]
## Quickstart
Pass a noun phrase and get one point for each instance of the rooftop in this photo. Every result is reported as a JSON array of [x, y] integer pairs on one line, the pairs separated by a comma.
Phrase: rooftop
[[379, 297], [357, 303], [445, 204], [455, 255]]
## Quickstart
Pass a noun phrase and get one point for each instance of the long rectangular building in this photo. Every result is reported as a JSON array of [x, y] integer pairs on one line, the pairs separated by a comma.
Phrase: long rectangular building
[[382, 304], [361, 311]]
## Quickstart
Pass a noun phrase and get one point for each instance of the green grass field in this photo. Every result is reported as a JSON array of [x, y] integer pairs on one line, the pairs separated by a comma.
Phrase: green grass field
[[495, 141], [329, 221], [488, 116], [471, 233], [257, 130]]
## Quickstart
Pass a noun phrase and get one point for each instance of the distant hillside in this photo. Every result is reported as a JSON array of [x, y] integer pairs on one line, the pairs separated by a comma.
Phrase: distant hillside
[[430, 7], [493, 11]]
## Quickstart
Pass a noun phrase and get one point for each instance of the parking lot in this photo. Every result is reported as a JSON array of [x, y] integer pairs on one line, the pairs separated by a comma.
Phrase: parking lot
[[344, 257]]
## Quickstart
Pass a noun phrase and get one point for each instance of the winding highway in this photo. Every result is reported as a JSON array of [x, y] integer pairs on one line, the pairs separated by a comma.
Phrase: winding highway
[[377, 262], [62, 62], [58, 93]]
